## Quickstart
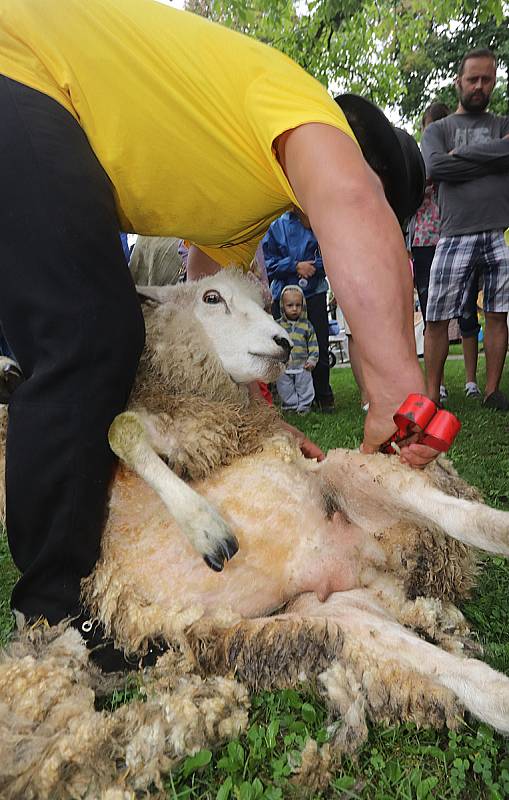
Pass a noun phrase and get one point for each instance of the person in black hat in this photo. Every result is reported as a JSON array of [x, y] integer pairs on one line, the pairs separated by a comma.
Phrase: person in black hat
[[108, 124], [390, 152]]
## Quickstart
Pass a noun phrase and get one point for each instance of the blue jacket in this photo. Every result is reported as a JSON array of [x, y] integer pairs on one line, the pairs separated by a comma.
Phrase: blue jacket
[[286, 242]]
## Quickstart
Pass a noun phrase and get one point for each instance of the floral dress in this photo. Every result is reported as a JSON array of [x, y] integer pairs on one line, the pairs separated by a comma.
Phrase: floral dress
[[427, 220]]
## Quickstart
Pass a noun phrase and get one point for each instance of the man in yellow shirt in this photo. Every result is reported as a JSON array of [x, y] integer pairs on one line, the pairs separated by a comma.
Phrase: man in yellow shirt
[[126, 114]]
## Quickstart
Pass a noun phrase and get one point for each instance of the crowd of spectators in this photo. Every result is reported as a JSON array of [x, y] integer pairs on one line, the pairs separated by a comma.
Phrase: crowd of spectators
[[455, 240]]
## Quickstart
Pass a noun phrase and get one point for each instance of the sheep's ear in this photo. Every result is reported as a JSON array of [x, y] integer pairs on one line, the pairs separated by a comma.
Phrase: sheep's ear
[[158, 294]]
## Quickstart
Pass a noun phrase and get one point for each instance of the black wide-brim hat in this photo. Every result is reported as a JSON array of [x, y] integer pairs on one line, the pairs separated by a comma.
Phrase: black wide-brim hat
[[391, 152]]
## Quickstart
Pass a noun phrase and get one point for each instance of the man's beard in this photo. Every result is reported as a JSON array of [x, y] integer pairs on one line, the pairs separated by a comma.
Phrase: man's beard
[[474, 102]]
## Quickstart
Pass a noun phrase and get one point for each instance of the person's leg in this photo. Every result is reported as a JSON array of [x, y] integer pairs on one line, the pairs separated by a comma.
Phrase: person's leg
[[451, 272], [70, 312], [495, 348], [469, 327], [496, 305], [317, 315], [436, 349], [422, 258], [287, 392], [470, 357], [305, 390]]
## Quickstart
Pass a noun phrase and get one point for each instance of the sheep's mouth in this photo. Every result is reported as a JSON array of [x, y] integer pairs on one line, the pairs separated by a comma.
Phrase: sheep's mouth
[[273, 366], [281, 359]]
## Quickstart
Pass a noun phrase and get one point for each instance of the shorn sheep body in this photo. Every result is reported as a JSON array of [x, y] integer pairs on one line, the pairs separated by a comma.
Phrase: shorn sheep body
[[346, 576]]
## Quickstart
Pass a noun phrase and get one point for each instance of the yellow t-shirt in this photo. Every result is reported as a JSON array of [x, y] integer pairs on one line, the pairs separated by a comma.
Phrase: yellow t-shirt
[[182, 113]]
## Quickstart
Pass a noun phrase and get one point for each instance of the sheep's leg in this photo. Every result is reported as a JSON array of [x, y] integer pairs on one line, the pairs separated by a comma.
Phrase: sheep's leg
[[437, 619], [371, 635], [377, 489], [186, 440], [197, 519], [472, 523]]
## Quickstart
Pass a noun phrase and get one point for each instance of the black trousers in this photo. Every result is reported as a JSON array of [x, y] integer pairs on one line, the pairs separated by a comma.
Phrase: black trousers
[[317, 315], [69, 310], [422, 258]]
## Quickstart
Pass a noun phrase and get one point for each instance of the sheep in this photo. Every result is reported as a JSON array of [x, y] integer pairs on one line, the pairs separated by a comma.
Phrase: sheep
[[347, 574], [175, 407]]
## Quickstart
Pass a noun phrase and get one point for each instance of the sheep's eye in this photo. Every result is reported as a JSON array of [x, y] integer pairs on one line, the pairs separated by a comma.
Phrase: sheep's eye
[[212, 297]]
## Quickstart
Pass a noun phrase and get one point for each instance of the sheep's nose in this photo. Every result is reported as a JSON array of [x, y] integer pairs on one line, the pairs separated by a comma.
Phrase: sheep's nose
[[284, 344]]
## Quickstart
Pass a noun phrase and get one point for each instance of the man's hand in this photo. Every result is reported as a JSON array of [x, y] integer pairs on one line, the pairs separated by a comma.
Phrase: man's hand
[[417, 455], [308, 448], [380, 426], [309, 366], [305, 269]]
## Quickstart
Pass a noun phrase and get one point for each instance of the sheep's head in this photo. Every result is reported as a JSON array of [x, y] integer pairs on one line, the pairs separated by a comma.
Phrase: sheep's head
[[218, 319]]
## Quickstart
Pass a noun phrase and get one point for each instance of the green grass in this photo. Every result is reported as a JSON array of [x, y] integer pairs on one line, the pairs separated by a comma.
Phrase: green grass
[[397, 762], [8, 575]]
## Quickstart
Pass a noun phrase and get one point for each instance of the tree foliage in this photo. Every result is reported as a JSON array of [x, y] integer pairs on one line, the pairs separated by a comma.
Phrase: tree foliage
[[397, 52]]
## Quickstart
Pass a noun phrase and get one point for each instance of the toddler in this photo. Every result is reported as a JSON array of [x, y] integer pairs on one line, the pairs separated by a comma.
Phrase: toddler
[[295, 387]]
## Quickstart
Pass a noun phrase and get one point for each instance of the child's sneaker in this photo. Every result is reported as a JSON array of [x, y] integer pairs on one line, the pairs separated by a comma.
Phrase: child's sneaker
[[472, 390], [444, 394]]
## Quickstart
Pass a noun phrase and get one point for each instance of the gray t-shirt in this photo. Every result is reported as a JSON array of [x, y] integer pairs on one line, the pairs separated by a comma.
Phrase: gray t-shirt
[[473, 183]]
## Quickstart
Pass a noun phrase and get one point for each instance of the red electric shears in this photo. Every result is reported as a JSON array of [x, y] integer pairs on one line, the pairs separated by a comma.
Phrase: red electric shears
[[419, 415]]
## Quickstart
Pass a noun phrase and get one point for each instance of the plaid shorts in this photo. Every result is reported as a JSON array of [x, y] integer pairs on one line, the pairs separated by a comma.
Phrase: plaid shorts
[[454, 268]]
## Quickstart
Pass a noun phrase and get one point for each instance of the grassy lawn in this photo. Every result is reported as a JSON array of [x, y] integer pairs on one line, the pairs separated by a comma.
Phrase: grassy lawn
[[397, 762]]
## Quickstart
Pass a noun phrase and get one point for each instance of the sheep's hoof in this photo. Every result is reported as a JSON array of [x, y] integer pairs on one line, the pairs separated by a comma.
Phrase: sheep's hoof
[[125, 434], [225, 550], [10, 378]]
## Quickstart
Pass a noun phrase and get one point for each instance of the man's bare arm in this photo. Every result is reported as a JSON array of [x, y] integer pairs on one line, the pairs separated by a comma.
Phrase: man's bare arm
[[367, 264], [199, 264]]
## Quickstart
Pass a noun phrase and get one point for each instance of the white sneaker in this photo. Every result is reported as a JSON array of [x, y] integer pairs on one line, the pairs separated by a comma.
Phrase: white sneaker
[[472, 390], [444, 394]]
